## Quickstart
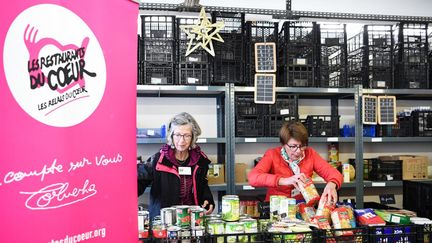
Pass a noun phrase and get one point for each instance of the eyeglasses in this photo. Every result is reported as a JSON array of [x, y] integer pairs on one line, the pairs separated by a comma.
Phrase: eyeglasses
[[186, 137], [296, 147]]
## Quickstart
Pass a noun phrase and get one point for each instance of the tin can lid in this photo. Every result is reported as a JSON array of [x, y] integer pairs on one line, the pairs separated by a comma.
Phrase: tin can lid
[[173, 228]]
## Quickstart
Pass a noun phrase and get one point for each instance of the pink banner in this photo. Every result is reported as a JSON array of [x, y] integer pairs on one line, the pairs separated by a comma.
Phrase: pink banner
[[67, 111]]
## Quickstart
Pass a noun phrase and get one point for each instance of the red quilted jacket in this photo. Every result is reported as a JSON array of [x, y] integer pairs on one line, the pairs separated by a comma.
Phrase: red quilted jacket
[[272, 167]]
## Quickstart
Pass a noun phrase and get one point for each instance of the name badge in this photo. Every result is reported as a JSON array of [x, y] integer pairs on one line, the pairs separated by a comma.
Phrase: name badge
[[294, 192], [184, 170]]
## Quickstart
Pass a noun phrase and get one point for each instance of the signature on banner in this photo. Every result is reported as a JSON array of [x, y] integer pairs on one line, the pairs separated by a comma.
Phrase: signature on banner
[[59, 195], [63, 193]]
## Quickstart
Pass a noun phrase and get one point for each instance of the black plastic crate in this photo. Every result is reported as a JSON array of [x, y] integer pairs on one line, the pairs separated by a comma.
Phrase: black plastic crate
[[298, 66], [275, 122], [140, 59], [406, 126], [332, 55], [297, 33], [238, 237], [393, 233], [159, 50], [199, 55], [294, 237], [422, 192], [351, 235], [412, 75], [322, 125], [245, 106], [158, 27], [424, 232], [257, 32], [422, 123], [193, 74], [228, 62], [387, 131], [250, 127], [284, 105], [385, 170], [411, 42], [157, 73]]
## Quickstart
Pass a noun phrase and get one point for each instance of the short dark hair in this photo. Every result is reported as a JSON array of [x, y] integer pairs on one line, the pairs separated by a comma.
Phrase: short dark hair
[[293, 129]]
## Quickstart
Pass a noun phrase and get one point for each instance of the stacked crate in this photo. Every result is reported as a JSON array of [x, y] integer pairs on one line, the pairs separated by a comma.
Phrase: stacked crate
[[257, 32], [259, 120], [332, 55], [140, 58], [297, 54], [193, 69], [228, 62], [370, 57], [411, 56], [158, 36]]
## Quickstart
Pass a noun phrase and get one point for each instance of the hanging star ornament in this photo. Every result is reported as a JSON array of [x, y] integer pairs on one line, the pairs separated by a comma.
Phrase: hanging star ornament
[[202, 34]]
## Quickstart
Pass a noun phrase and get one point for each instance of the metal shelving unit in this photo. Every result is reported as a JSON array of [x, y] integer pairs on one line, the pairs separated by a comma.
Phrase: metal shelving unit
[[229, 140]]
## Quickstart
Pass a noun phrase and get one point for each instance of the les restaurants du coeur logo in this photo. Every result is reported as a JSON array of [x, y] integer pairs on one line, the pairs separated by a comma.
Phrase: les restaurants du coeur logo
[[54, 65]]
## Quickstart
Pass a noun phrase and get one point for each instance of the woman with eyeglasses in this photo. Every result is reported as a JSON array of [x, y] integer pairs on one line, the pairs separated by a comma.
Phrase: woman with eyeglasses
[[284, 168], [178, 172]]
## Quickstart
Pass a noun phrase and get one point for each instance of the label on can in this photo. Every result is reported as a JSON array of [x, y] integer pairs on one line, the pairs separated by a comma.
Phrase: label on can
[[173, 231], [168, 216], [183, 216], [230, 208], [143, 223], [236, 228], [215, 227], [197, 217]]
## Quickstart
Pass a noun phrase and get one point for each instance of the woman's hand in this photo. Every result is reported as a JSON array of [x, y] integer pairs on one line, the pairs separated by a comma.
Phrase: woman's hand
[[294, 180], [210, 210], [329, 194]]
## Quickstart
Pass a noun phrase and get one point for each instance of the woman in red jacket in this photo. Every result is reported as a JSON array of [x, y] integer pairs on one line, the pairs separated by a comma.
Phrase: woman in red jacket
[[283, 168]]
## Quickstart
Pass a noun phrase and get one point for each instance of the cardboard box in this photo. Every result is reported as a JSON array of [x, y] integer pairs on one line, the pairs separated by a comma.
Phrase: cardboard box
[[414, 167], [240, 172], [216, 174]]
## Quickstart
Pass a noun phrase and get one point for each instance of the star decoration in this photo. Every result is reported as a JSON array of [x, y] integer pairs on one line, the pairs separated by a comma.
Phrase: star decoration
[[202, 34]]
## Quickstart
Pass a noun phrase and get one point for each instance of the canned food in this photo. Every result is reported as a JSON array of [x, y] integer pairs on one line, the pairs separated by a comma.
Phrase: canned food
[[173, 232], [185, 235], [143, 224], [230, 208], [183, 216], [198, 231], [236, 228], [216, 227], [197, 217], [158, 229], [168, 216], [262, 225]]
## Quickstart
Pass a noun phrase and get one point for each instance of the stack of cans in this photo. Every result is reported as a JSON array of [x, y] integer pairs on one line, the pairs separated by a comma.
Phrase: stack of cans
[[182, 222]]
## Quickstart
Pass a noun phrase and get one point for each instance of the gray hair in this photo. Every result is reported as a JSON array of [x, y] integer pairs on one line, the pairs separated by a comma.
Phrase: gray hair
[[182, 119]]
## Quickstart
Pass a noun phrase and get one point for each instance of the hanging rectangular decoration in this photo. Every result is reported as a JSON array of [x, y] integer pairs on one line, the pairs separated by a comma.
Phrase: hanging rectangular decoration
[[369, 106], [68, 121], [386, 110], [265, 57], [265, 88]]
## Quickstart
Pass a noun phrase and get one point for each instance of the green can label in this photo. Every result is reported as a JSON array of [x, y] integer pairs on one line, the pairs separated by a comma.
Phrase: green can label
[[230, 208]]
